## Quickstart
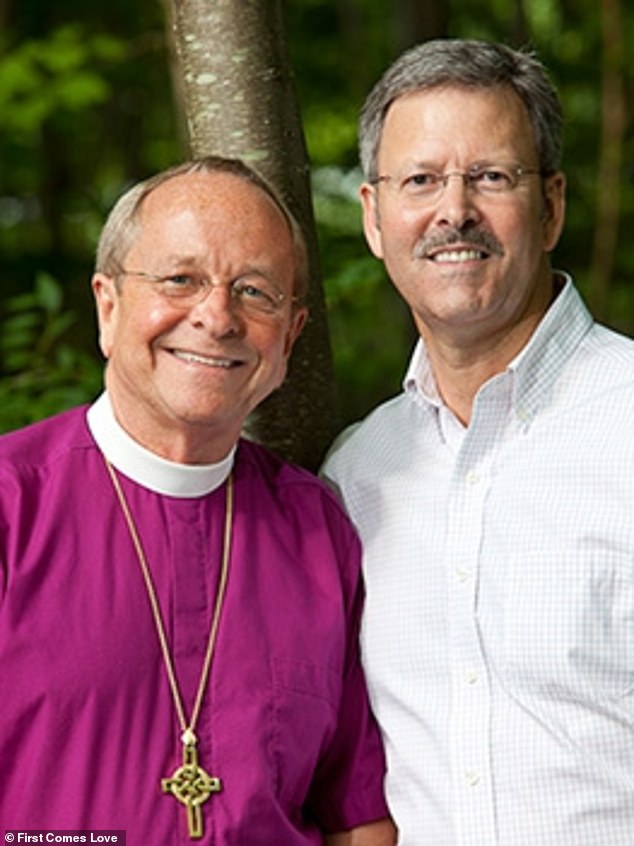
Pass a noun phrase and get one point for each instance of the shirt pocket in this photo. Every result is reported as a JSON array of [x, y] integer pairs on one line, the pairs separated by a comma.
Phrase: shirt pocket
[[305, 707], [569, 624]]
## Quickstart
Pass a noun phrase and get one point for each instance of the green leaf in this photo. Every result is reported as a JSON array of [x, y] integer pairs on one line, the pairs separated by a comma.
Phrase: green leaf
[[48, 292]]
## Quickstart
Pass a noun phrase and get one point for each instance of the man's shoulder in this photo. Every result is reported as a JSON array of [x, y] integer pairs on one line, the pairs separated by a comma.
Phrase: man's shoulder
[[292, 498], [45, 439], [603, 366], [360, 442], [606, 343], [282, 478]]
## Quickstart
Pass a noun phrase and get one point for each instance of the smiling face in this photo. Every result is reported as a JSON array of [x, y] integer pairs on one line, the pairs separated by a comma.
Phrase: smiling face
[[470, 265], [183, 380]]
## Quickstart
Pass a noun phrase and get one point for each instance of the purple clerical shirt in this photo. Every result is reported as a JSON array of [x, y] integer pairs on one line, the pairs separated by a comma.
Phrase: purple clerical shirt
[[88, 727]]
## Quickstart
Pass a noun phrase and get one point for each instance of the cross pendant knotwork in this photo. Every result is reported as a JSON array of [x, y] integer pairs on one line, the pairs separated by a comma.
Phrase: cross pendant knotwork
[[192, 786]]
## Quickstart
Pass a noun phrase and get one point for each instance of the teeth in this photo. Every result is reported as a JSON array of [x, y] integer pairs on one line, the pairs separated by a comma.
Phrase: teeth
[[200, 359], [458, 255]]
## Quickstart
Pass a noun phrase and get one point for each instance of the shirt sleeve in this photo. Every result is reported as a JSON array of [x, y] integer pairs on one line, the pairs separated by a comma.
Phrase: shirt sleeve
[[348, 788]]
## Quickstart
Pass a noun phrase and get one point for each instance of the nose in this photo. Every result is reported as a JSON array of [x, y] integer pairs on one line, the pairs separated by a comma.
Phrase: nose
[[217, 312], [456, 205]]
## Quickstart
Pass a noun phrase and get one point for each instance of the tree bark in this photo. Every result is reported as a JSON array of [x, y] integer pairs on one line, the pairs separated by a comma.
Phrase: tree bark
[[239, 100]]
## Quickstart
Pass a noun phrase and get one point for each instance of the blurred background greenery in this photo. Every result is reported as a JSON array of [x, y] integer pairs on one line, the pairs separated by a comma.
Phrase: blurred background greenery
[[86, 108]]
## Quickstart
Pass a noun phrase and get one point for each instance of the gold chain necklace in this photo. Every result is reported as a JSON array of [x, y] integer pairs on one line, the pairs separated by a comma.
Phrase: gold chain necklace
[[189, 783]]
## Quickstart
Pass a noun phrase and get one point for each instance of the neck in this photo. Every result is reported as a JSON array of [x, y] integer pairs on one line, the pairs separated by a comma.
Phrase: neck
[[459, 378], [180, 440], [191, 448], [462, 364], [148, 468]]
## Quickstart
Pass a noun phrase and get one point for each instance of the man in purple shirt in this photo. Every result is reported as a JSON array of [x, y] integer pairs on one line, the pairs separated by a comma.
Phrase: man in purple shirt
[[178, 607]]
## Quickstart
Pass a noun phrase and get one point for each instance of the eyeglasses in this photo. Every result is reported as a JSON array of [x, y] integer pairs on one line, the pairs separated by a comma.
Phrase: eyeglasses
[[254, 294], [485, 180]]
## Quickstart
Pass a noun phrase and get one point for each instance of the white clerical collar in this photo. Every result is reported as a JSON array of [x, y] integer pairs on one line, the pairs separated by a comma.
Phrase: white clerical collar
[[145, 467]]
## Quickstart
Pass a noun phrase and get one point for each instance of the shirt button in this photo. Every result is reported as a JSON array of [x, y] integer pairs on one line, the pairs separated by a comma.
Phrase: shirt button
[[472, 777], [472, 477], [463, 575], [471, 677]]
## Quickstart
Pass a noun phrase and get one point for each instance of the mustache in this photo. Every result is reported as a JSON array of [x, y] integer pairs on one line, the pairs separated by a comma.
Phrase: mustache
[[476, 239]]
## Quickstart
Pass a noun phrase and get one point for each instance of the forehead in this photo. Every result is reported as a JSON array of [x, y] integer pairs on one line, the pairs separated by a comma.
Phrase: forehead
[[213, 195], [460, 121], [217, 222], [196, 213]]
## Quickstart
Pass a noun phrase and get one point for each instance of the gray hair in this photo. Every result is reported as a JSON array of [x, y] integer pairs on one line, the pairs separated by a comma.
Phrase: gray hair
[[123, 222], [466, 63]]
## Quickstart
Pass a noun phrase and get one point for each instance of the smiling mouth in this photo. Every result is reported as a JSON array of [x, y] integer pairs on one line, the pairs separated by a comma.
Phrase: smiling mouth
[[207, 361], [457, 246], [457, 256]]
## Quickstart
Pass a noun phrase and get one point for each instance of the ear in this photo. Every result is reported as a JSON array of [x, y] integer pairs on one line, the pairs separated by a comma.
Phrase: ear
[[554, 209], [298, 321], [106, 301], [371, 227]]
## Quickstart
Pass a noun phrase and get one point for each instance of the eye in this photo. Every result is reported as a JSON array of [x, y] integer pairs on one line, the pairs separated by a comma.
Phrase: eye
[[257, 293], [180, 283], [421, 182], [492, 178]]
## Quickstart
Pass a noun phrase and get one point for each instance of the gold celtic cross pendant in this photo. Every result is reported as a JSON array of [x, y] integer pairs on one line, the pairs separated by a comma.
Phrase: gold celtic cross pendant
[[192, 786]]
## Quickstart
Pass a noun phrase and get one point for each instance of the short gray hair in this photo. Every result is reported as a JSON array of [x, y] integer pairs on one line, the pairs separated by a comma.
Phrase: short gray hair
[[122, 224], [466, 63]]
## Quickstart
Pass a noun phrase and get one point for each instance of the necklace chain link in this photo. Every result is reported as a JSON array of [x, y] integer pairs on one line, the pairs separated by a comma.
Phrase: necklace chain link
[[188, 727]]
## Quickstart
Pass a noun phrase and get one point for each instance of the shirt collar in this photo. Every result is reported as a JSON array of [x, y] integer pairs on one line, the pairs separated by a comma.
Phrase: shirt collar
[[146, 468], [535, 368]]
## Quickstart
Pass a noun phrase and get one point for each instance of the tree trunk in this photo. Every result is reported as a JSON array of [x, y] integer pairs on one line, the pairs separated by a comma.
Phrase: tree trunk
[[234, 74]]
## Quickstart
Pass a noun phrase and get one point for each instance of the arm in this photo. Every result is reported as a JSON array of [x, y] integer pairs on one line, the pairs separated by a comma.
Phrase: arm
[[347, 795], [379, 833]]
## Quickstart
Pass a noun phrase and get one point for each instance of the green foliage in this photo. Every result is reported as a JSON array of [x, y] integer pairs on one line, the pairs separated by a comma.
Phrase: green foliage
[[332, 133], [86, 107], [371, 331], [544, 18], [41, 76], [43, 372]]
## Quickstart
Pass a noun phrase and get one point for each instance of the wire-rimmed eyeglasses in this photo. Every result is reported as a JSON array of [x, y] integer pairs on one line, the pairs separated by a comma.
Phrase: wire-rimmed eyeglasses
[[486, 180], [252, 293]]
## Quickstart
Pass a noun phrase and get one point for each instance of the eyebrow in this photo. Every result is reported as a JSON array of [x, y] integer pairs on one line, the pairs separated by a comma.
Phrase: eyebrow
[[176, 261], [480, 161], [181, 259]]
